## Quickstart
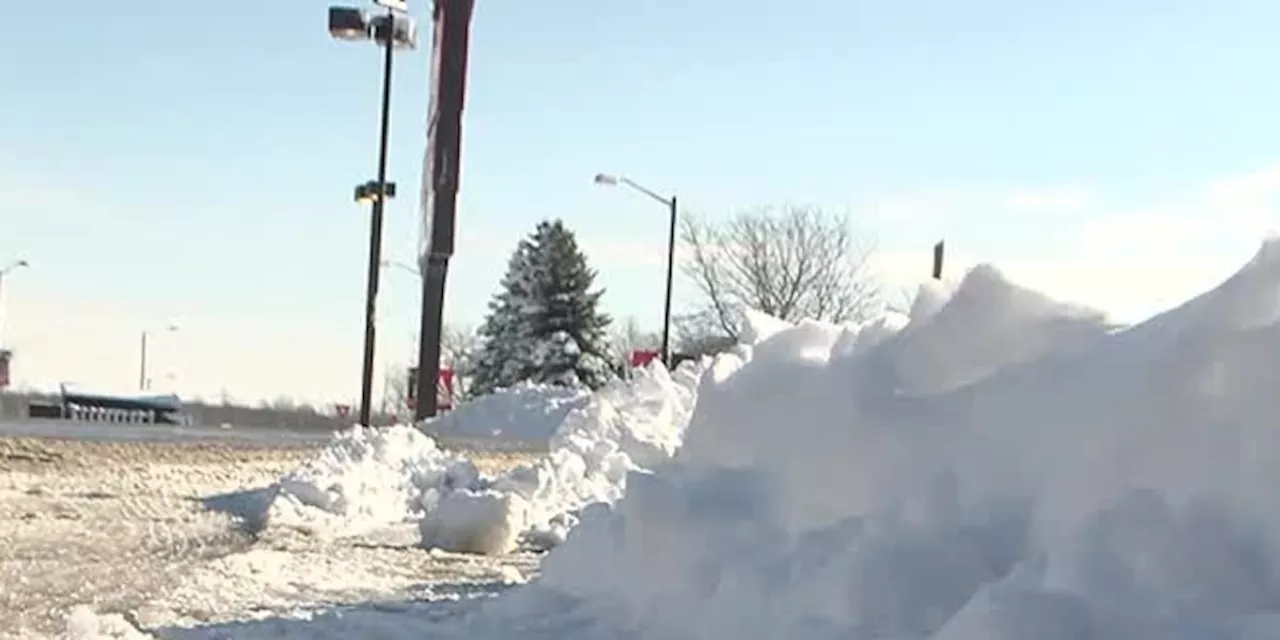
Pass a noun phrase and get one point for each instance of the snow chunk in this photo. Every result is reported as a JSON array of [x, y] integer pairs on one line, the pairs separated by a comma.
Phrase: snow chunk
[[369, 478], [485, 522], [84, 624]]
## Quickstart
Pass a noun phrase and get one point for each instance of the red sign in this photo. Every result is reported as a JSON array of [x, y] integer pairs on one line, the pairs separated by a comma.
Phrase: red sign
[[444, 389], [643, 357]]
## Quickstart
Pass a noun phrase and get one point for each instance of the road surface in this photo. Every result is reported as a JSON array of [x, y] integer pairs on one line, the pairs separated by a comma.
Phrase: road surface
[[118, 432]]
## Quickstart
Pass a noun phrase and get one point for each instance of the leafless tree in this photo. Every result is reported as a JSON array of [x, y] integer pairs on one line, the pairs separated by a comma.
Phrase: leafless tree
[[792, 262], [699, 334], [627, 336], [458, 348], [395, 390]]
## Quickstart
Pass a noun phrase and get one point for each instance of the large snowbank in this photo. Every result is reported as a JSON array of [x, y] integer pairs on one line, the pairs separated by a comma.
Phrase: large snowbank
[[1003, 467], [527, 412], [371, 479], [998, 466]]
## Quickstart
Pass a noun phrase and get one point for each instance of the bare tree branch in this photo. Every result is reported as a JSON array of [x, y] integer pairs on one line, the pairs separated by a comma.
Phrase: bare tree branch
[[791, 262], [627, 336], [458, 348]]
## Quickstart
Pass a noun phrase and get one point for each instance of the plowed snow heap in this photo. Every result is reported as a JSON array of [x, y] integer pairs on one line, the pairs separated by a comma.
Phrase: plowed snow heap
[[1002, 467]]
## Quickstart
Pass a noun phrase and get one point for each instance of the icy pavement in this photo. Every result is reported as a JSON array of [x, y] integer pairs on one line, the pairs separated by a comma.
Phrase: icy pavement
[[124, 432], [134, 529], [114, 524]]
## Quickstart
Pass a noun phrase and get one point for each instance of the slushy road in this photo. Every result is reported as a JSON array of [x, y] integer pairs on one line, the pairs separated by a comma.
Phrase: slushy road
[[117, 432]]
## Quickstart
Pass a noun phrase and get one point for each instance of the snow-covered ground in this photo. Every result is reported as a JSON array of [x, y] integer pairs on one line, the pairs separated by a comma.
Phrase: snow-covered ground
[[997, 466], [373, 523], [143, 530], [370, 479]]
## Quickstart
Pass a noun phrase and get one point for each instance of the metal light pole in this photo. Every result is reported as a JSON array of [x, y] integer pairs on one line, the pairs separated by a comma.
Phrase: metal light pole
[[12, 266], [670, 203], [143, 383], [390, 30]]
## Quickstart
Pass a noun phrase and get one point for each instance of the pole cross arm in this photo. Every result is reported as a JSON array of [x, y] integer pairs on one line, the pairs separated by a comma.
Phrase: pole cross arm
[[612, 180], [647, 191]]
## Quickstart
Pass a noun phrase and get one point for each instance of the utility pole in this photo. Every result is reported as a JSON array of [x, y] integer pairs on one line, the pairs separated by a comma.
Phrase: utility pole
[[441, 166]]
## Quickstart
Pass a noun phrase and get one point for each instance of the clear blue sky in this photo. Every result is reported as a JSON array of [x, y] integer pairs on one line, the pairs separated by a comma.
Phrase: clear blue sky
[[167, 161]]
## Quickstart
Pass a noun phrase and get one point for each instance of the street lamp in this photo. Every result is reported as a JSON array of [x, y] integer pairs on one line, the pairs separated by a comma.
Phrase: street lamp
[[392, 30], [609, 180], [143, 382], [9, 268]]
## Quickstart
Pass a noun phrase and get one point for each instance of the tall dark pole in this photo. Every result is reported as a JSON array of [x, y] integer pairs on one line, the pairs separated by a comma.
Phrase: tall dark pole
[[671, 265], [142, 365], [375, 227], [441, 168]]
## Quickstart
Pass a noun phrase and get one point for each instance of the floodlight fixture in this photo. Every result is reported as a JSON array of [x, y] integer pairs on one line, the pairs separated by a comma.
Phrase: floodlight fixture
[[12, 266], [368, 192], [349, 23], [404, 30]]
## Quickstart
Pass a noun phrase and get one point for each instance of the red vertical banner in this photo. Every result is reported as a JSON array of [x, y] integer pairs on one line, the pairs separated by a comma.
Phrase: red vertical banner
[[441, 162], [430, 164], [444, 390]]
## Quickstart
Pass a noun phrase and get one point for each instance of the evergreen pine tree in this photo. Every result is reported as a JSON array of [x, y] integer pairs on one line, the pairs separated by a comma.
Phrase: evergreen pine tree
[[544, 324], [495, 365]]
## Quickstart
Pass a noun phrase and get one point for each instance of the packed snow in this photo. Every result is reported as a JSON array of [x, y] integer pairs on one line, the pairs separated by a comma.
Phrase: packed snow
[[372, 479], [996, 466], [524, 413]]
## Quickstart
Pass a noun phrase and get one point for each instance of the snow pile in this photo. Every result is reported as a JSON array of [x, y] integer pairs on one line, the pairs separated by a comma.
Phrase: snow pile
[[634, 425], [369, 478], [372, 479], [526, 412], [1003, 467]]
